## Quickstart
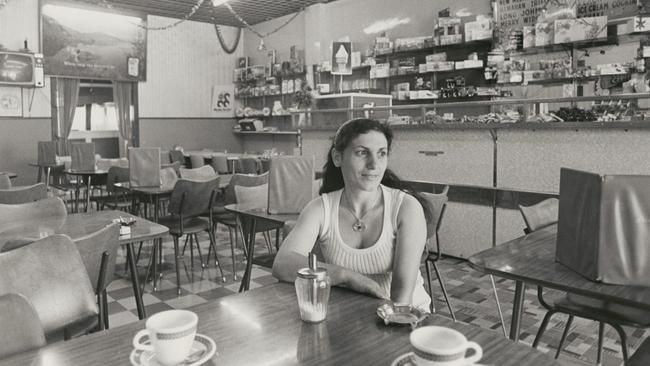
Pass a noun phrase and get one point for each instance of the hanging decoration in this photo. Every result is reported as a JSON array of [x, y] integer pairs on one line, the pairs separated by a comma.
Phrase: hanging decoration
[[185, 18], [261, 46]]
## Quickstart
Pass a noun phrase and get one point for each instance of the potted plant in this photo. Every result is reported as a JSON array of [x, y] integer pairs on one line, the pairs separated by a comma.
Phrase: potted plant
[[303, 99]]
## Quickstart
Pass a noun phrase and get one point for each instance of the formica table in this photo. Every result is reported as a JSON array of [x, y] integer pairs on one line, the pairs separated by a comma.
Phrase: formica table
[[254, 215], [11, 175], [263, 327], [82, 224], [48, 169], [531, 259]]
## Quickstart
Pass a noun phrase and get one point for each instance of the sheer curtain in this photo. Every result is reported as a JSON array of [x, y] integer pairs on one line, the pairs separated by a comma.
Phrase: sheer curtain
[[68, 94], [123, 97]]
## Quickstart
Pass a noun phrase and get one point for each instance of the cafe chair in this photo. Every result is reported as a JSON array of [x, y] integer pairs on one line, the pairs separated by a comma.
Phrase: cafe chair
[[437, 204], [52, 276], [99, 252], [247, 165], [5, 181], [616, 315], [177, 156], [21, 329], [116, 198], [220, 164], [642, 355], [205, 172], [15, 221], [23, 194], [265, 165], [188, 201], [196, 161], [229, 219]]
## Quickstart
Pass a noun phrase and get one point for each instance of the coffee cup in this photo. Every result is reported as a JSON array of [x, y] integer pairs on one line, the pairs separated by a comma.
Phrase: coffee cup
[[171, 334], [440, 346]]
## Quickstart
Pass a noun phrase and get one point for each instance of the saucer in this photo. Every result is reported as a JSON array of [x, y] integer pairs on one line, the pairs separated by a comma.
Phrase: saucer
[[407, 360], [202, 350]]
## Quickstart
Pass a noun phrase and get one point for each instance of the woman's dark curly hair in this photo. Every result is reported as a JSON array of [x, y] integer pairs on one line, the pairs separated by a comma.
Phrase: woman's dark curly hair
[[332, 175]]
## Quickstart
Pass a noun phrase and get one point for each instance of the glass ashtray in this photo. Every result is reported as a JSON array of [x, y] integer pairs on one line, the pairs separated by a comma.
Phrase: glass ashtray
[[401, 314]]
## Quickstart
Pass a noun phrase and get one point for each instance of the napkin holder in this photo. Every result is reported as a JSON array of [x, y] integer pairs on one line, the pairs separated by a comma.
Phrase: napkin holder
[[604, 226]]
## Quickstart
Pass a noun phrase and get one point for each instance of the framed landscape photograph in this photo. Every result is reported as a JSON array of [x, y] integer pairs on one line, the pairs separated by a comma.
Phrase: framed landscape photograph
[[92, 42]]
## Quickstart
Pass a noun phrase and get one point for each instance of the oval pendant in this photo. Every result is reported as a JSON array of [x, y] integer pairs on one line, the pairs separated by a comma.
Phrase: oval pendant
[[359, 226]]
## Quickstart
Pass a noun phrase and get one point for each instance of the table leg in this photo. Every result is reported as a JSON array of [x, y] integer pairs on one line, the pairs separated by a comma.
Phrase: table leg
[[517, 310], [47, 177], [77, 191], [89, 187], [130, 259], [249, 242], [39, 178]]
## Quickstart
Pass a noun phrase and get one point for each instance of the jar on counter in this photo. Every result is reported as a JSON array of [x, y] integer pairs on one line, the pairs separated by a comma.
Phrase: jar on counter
[[313, 291]]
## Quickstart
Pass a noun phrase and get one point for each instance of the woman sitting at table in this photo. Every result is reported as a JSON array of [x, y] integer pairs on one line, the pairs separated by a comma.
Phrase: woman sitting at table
[[367, 226]]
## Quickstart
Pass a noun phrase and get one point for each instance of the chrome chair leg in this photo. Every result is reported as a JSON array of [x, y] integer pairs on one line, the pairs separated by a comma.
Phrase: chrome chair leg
[[198, 248], [496, 299], [178, 270], [232, 252], [213, 243], [601, 334], [444, 291], [427, 267], [621, 334], [564, 334], [542, 327]]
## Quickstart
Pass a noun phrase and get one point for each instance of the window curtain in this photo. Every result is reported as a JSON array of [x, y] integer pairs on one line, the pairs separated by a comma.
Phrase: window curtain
[[123, 97], [68, 95]]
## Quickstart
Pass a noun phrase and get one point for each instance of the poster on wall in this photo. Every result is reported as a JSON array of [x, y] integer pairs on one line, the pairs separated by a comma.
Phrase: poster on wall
[[96, 44], [222, 100], [11, 102], [515, 14], [341, 58]]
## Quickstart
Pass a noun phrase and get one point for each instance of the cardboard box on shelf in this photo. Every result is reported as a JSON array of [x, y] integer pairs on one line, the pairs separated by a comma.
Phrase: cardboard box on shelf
[[379, 71], [402, 94], [413, 94], [478, 29], [422, 68], [572, 30], [441, 56], [356, 58], [544, 32], [529, 36], [441, 66]]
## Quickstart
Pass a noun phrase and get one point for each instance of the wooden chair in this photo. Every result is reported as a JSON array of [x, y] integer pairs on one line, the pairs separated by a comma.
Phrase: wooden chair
[[190, 199], [21, 329], [205, 172], [99, 252], [23, 194], [52, 276], [616, 315]]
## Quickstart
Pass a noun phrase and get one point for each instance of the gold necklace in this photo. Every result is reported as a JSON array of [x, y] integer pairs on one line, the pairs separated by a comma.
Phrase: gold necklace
[[358, 225]]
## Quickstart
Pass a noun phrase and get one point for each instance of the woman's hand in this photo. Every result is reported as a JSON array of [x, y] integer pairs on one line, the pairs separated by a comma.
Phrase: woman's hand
[[357, 282]]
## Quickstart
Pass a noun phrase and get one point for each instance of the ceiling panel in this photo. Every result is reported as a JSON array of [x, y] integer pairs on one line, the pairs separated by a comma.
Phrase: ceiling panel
[[252, 11]]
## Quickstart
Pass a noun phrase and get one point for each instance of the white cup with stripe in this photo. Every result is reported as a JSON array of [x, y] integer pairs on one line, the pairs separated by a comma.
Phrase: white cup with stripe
[[171, 334], [441, 346]]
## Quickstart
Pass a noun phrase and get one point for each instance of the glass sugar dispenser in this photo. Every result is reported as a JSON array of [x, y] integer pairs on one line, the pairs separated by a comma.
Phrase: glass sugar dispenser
[[313, 291]]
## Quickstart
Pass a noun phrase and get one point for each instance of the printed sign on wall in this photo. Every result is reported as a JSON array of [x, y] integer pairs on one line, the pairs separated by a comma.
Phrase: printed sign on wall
[[222, 100], [341, 58], [515, 14]]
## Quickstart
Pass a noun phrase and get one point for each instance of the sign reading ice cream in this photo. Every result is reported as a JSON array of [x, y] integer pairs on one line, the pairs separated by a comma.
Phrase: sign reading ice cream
[[341, 58]]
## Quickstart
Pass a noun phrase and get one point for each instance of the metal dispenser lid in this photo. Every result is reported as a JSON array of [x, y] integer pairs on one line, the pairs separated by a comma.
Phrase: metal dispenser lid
[[312, 272]]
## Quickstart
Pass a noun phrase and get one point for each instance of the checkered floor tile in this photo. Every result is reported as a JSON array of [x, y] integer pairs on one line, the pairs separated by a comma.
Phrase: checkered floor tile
[[470, 291]]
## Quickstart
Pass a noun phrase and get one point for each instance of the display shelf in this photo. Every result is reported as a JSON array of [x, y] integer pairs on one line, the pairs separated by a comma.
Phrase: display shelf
[[598, 42], [469, 45], [620, 125], [267, 132], [583, 79]]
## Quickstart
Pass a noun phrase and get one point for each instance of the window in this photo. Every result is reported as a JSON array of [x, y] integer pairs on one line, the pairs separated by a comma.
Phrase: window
[[95, 109]]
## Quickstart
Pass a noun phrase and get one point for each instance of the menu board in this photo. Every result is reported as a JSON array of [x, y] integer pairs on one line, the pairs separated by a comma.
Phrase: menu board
[[515, 14]]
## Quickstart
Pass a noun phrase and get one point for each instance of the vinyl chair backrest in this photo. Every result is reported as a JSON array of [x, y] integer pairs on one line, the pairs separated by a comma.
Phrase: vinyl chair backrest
[[106, 164], [168, 177], [205, 172], [177, 156], [116, 174], [5, 181], [31, 211], [83, 156], [540, 215], [91, 248], [47, 152], [23, 194], [248, 165], [220, 163], [255, 197], [52, 276], [265, 165], [243, 180], [192, 198], [196, 161], [437, 205], [21, 329]]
